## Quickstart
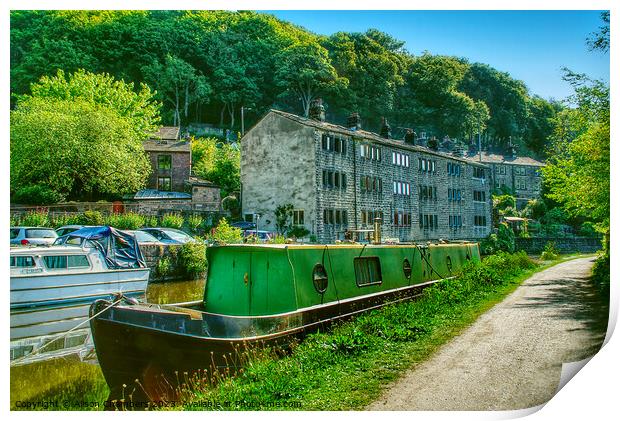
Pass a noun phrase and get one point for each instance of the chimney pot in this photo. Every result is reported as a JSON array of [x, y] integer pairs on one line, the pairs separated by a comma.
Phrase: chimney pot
[[354, 122], [386, 130], [317, 110]]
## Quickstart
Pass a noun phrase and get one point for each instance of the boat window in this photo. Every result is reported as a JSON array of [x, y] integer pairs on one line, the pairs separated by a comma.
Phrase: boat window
[[41, 233], [74, 241], [22, 261], [319, 278], [367, 270], [407, 268], [55, 262], [78, 261]]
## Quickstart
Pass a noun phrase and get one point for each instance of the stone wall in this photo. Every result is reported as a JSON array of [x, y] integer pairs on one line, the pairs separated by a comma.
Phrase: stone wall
[[152, 255], [536, 245], [179, 172]]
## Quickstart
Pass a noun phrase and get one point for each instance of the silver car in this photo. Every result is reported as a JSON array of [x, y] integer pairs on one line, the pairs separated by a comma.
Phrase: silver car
[[35, 236]]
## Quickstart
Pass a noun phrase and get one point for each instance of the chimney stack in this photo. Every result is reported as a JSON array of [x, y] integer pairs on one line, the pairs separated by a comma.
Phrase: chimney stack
[[354, 122], [386, 130], [410, 137], [317, 110]]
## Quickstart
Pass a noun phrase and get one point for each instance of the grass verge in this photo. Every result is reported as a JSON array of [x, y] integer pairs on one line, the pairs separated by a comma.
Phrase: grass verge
[[348, 367]]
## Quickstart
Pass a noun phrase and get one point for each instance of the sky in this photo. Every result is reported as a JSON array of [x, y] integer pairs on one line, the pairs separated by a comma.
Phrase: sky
[[532, 46]]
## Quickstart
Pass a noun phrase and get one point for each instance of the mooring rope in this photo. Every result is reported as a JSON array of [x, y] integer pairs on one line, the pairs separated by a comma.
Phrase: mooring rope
[[38, 350]]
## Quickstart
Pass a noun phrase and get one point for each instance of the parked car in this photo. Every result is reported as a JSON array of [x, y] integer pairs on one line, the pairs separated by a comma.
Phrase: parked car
[[66, 229], [36, 236], [144, 238], [169, 235], [261, 235]]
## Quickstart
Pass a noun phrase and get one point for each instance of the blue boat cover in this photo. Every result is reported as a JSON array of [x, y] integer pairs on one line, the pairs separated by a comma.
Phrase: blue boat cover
[[119, 248]]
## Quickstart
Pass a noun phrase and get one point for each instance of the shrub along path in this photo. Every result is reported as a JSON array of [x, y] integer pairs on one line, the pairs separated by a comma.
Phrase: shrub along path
[[511, 357]]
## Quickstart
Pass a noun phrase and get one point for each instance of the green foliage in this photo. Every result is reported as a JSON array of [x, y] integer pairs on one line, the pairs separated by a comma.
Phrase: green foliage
[[505, 238], [125, 221], [601, 274], [577, 173], [550, 251], [164, 267], [36, 195], [587, 229], [535, 209], [192, 259], [297, 232], [225, 234], [223, 60], [195, 222], [217, 162], [172, 220], [139, 108], [277, 239], [81, 150], [90, 217], [283, 214], [35, 219], [151, 221]]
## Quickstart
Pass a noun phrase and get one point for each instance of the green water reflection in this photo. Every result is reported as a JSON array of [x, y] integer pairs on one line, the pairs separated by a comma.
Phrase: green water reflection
[[175, 291]]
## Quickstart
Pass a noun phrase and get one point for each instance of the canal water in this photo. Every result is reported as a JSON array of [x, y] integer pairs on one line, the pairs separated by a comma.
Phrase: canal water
[[69, 378]]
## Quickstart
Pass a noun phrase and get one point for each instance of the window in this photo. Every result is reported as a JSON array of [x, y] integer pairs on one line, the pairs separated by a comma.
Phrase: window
[[333, 143], [77, 261], [480, 221], [478, 172], [55, 262], [40, 233], [319, 278], [164, 162], [164, 183], [298, 217], [367, 271], [479, 196], [22, 261]]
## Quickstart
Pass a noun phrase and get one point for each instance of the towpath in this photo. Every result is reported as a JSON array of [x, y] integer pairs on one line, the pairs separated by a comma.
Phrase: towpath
[[511, 357]]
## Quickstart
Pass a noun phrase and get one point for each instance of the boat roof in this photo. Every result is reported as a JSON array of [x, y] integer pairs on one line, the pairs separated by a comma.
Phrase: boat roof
[[49, 250], [341, 245]]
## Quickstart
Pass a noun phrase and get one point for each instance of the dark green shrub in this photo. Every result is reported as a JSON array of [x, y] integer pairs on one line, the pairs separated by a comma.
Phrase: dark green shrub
[[91, 217], [192, 259], [36, 195], [550, 252], [298, 232], [125, 221], [505, 238], [195, 222]]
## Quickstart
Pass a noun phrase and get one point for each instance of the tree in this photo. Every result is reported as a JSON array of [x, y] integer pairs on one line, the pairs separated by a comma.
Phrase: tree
[[79, 149], [577, 172], [305, 73], [179, 84], [600, 40], [217, 162], [283, 215], [140, 108]]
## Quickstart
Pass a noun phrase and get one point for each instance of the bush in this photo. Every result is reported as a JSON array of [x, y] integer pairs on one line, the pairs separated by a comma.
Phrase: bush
[[125, 221], [164, 267], [587, 230], [192, 259], [277, 239], [225, 234], [505, 238], [91, 217], [195, 222], [172, 220], [151, 221], [36, 195], [298, 232], [550, 252], [600, 275], [35, 219]]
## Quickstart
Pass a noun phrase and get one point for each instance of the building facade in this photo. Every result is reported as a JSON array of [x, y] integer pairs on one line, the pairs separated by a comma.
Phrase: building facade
[[518, 174], [340, 178], [171, 160]]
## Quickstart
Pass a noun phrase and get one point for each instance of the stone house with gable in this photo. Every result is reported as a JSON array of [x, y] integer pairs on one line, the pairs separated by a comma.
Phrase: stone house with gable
[[340, 178]]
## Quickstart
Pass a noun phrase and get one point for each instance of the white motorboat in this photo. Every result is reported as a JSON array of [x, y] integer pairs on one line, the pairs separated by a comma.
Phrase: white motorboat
[[53, 287]]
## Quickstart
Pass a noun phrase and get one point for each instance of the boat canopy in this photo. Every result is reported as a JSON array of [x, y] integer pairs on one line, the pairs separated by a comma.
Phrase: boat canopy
[[119, 248]]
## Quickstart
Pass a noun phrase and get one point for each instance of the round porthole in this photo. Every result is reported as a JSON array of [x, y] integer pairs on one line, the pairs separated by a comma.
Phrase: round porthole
[[407, 269], [449, 263], [319, 278]]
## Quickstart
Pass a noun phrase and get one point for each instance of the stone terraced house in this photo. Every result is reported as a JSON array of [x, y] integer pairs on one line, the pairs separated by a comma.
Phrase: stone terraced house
[[520, 174], [340, 178]]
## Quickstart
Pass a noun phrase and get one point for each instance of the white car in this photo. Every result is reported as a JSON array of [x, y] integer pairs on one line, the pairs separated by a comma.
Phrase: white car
[[35, 236]]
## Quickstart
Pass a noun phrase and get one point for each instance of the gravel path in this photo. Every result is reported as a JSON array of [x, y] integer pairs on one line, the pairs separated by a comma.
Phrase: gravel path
[[511, 357]]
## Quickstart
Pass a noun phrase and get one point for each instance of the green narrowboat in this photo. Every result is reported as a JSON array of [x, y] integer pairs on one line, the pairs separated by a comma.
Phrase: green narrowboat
[[259, 294]]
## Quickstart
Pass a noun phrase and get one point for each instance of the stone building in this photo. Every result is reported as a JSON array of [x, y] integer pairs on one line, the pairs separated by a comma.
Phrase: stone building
[[171, 160], [340, 178], [519, 174]]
